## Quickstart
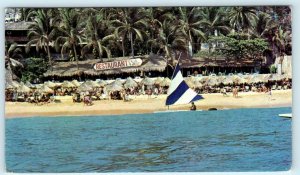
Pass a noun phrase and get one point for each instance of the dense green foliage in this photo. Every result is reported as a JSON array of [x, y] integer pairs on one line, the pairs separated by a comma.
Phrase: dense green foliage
[[34, 69], [239, 46], [230, 32]]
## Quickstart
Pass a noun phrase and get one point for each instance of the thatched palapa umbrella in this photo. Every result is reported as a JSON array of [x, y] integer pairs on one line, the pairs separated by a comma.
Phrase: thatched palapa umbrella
[[197, 84], [50, 84], [84, 87], [23, 88], [28, 84], [15, 84], [204, 79], [118, 81], [93, 84], [158, 80], [255, 79], [267, 77], [114, 87], [165, 82], [102, 83], [276, 77], [212, 81], [76, 83], [67, 84], [228, 80], [239, 80], [8, 85], [130, 83], [147, 81], [45, 89]]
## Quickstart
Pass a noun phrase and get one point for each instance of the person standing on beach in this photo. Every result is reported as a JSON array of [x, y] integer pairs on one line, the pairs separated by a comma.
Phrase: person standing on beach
[[234, 92], [270, 94]]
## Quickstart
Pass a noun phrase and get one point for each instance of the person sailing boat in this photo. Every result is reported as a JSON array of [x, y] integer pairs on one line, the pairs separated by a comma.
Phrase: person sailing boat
[[193, 107]]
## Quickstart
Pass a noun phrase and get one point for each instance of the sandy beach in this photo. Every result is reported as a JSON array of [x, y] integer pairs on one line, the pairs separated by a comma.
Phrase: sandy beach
[[144, 104]]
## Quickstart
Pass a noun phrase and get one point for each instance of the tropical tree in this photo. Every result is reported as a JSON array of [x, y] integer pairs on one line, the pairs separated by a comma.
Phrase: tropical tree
[[171, 39], [70, 30], [238, 46], [282, 40], [132, 22], [41, 32], [155, 16], [12, 56], [240, 17], [25, 12], [214, 22], [96, 33], [262, 25], [189, 25]]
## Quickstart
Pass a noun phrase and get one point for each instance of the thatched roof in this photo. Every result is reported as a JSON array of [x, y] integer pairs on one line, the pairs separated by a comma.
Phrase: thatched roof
[[220, 62], [150, 63], [22, 25]]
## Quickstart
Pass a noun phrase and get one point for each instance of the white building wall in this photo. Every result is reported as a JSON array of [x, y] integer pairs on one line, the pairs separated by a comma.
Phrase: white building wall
[[284, 67]]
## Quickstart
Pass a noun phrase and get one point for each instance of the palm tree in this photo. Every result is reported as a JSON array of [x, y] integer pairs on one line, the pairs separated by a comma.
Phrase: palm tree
[[96, 33], [71, 30], [214, 22], [155, 16], [131, 25], [41, 31], [171, 39], [12, 55], [281, 40], [240, 17], [263, 25], [189, 24], [25, 12]]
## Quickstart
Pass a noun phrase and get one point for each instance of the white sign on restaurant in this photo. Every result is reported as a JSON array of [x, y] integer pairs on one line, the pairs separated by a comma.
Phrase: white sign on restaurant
[[118, 64]]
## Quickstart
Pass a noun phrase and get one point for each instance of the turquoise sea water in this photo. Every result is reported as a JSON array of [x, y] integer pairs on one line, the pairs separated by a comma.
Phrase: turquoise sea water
[[228, 140]]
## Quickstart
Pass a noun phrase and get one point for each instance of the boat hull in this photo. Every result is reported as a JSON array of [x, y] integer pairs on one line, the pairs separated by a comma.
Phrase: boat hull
[[289, 115]]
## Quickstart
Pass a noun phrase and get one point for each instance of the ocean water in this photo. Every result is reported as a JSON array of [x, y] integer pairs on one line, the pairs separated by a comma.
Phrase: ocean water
[[193, 141]]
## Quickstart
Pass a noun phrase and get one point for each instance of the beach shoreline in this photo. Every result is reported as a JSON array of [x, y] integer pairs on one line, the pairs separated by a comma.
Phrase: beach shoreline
[[144, 104]]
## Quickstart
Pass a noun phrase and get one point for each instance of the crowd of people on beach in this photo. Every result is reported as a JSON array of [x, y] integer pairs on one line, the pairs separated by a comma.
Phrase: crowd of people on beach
[[104, 93]]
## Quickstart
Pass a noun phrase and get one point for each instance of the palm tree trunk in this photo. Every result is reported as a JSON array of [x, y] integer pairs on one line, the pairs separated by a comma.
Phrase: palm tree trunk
[[131, 42], [99, 52], [75, 54], [151, 43], [190, 46], [100, 56], [49, 56], [123, 48]]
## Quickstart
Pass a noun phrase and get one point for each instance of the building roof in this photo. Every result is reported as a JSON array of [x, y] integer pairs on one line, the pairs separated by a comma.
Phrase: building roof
[[218, 62], [22, 25], [150, 63]]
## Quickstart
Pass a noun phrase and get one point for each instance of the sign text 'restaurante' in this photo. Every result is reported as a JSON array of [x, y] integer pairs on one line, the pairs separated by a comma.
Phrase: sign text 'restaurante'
[[118, 64]]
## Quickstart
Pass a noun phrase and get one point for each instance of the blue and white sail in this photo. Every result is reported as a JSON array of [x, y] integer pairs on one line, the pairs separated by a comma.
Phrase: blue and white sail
[[179, 92]]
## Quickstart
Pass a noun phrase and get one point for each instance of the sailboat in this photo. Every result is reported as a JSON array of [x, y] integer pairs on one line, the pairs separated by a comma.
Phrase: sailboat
[[179, 92]]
